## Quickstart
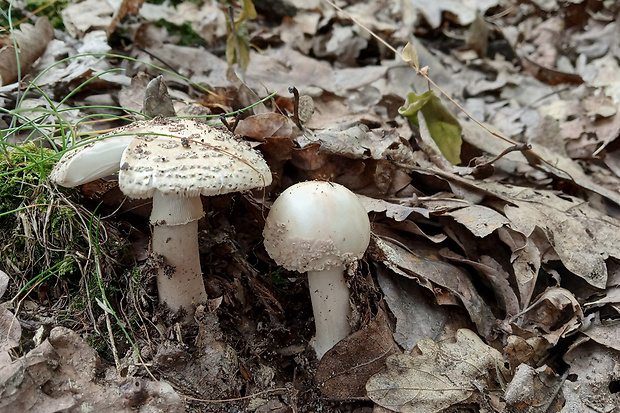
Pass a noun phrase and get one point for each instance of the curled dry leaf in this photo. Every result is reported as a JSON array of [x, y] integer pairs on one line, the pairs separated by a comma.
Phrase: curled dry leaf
[[443, 375], [417, 315], [556, 313], [345, 368], [433, 272], [532, 390], [31, 43]]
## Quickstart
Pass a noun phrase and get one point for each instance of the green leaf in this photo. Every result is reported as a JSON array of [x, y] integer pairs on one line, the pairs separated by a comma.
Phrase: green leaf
[[444, 128], [244, 47], [248, 8]]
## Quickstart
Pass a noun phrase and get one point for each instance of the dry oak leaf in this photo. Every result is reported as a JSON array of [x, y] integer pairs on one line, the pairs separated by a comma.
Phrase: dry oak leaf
[[444, 374]]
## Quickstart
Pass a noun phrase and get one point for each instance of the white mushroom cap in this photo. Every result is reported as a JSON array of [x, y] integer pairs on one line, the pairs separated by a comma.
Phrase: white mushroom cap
[[89, 162], [182, 158], [316, 226], [187, 158]]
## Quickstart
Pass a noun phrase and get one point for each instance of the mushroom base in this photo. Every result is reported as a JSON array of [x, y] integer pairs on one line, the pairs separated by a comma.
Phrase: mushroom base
[[330, 302], [179, 281]]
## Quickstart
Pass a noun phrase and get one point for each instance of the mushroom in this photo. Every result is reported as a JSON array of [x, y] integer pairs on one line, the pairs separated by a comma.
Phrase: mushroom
[[320, 228], [174, 161]]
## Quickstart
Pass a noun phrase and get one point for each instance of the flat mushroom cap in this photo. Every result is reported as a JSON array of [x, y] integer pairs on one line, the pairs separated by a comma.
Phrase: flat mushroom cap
[[186, 158]]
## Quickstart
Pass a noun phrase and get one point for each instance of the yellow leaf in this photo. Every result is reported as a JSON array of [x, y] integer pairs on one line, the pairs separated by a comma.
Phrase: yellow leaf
[[409, 55]]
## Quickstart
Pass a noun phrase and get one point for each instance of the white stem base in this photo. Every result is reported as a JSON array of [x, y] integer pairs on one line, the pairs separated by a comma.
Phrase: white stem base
[[179, 282], [330, 302]]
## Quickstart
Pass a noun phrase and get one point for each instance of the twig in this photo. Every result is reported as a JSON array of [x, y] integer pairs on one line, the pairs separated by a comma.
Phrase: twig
[[230, 127], [522, 147], [296, 119]]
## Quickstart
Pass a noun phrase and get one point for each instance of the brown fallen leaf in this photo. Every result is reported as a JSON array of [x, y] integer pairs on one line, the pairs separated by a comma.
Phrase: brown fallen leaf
[[62, 374], [126, 7], [532, 390], [31, 43], [432, 273], [548, 75], [345, 368], [265, 125], [444, 374], [555, 313], [416, 314], [592, 384], [10, 329]]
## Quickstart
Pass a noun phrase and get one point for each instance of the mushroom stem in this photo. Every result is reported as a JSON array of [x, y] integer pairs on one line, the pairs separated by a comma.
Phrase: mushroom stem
[[330, 302], [179, 280]]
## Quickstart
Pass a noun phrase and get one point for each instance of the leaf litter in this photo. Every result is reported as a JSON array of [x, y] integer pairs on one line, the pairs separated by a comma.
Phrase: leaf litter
[[510, 256]]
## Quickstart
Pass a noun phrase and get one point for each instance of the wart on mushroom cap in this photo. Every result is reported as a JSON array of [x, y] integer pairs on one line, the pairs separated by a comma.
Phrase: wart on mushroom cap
[[197, 159], [174, 161]]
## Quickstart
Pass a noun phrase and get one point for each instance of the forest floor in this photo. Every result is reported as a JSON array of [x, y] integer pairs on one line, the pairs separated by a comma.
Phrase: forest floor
[[480, 136]]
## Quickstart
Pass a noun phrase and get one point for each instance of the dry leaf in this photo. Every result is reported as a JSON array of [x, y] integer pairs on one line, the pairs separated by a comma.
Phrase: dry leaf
[[10, 330], [605, 332], [85, 16], [555, 313], [532, 390], [345, 368], [4, 282], [479, 220], [61, 375], [31, 43], [394, 211], [417, 315], [463, 12], [265, 125], [126, 7], [496, 277], [443, 375], [592, 383], [433, 272]]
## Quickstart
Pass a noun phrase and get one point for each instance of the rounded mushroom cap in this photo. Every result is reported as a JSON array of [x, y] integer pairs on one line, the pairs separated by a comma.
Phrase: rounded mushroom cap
[[187, 158], [316, 226]]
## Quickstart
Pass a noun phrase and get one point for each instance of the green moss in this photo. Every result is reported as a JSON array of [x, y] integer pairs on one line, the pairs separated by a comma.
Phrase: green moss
[[40, 227], [186, 34], [279, 280]]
